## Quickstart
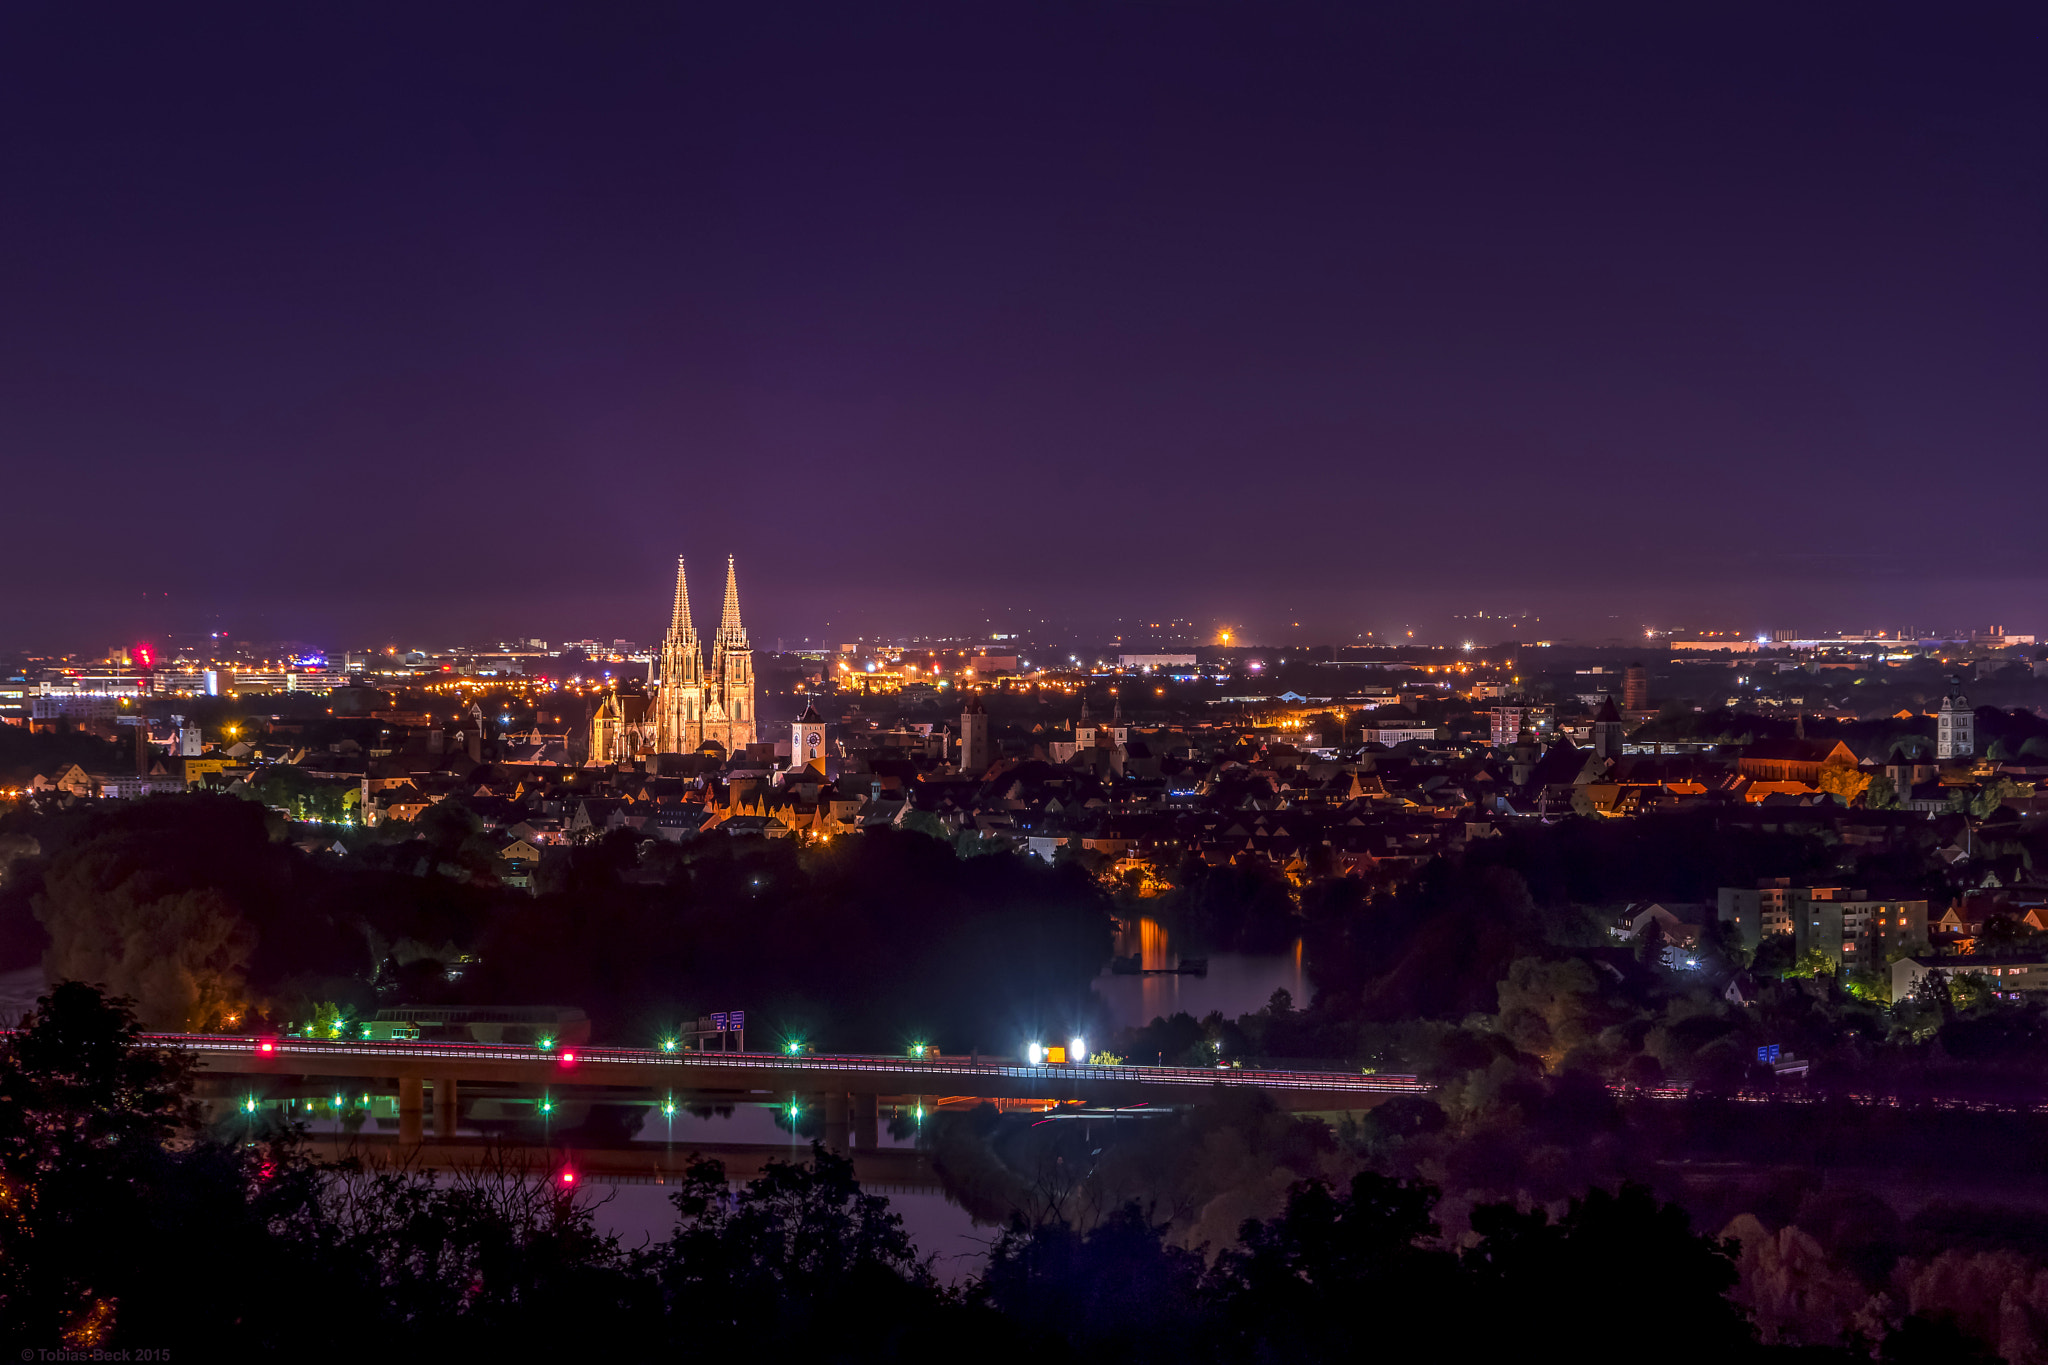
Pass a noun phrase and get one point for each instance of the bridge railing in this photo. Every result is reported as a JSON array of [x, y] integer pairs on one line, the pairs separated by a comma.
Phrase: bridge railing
[[824, 1064]]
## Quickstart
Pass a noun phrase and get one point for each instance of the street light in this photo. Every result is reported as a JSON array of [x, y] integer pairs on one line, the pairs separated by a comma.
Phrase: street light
[[1077, 1049], [1035, 1052]]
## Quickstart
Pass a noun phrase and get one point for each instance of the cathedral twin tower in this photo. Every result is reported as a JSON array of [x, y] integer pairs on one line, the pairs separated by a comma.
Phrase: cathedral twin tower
[[692, 706]]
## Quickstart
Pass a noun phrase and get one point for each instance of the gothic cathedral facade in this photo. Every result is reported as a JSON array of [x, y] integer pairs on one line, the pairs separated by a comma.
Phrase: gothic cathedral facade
[[693, 706]]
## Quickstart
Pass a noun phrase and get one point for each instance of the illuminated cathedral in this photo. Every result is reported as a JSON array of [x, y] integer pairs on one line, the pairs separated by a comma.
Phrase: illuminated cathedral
[[692, 705]]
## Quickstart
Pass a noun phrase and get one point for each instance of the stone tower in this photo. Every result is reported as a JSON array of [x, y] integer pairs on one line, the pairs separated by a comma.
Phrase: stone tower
[[679, 707], [810, 742], [729, 715], [1955, 734], [1608, 730], [975, 754]]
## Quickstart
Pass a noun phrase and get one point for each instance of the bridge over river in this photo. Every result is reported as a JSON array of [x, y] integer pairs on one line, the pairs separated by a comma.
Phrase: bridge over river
[[849, 1089]]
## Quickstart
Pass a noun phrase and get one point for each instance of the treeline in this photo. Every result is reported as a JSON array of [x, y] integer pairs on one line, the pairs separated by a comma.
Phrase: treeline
[[199, 908], [120, 1232]]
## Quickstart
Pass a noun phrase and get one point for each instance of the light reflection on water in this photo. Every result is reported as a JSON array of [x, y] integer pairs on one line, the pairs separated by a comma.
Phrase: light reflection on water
[[1237, 983]]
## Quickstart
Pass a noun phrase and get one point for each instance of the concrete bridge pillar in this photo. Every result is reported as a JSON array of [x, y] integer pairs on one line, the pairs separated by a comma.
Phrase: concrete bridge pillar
[[834, 1103], [867, 1122], [446, 1097], [409, 1111]]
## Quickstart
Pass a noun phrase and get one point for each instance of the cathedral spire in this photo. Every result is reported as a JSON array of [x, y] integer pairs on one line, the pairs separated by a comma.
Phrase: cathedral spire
[[729, 627], [681, 620]]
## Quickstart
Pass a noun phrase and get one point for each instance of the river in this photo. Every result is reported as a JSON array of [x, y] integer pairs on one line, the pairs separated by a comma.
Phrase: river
[[1237, 983]]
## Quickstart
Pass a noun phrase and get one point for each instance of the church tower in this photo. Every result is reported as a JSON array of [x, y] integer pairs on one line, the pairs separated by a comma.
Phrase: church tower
[[679, 707], [975, 754], [1955, 734], [810, 743], [729, 717]]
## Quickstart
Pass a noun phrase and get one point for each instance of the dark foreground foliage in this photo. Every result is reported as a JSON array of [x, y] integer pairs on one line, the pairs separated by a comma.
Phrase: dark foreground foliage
[[121, 1227]]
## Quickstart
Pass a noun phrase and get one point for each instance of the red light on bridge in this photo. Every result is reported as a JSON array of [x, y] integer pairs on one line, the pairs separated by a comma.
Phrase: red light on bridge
[[266, 1046], [568, 1177], [568, 1059]]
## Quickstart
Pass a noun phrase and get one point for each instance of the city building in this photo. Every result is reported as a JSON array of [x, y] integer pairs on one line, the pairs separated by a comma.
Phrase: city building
[[1793, 760], [1635, 689], [1955, 734], [2024, 978], [1849, 926], [1505, 724], [622, 729]]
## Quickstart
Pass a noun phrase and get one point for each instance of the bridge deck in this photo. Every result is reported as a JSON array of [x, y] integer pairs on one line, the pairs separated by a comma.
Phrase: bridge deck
[[743, 1074]]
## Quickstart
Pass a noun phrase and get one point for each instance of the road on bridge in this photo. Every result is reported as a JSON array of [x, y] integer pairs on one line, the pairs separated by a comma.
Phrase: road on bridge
[[840, 1083]]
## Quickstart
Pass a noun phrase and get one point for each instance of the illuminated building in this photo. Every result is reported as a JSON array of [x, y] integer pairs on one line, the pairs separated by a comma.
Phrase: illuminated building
[[1955, 734], [693, 708], [679, 706], [729, 700], [622, 729], [810, 741]]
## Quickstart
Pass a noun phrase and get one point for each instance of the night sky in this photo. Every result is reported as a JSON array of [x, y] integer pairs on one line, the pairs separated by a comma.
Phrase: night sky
[[354, 322]]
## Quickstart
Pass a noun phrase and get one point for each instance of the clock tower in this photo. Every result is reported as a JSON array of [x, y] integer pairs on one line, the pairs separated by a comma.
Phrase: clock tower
[[810, 743]]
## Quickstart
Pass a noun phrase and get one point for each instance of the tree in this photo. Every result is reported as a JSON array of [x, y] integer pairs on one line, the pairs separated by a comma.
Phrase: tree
[[1812, 962], [1118, 1291], [1530, 1271], [1292, 1287], [1549, 1008], [1932, 989], [181, 955], [799, 1252], [1651, 943], [1843, 780], [84, 1109]]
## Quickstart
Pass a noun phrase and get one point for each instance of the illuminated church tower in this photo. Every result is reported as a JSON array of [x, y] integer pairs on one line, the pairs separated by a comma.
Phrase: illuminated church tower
[[1956, 725], [679, 707], [729, 706]]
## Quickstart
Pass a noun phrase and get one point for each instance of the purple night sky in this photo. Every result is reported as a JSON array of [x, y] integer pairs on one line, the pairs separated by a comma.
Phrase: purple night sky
[[350, 321]]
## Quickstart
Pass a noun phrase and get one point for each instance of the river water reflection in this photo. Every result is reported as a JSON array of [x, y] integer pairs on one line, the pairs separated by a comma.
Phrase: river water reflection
[[1237, 983]]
